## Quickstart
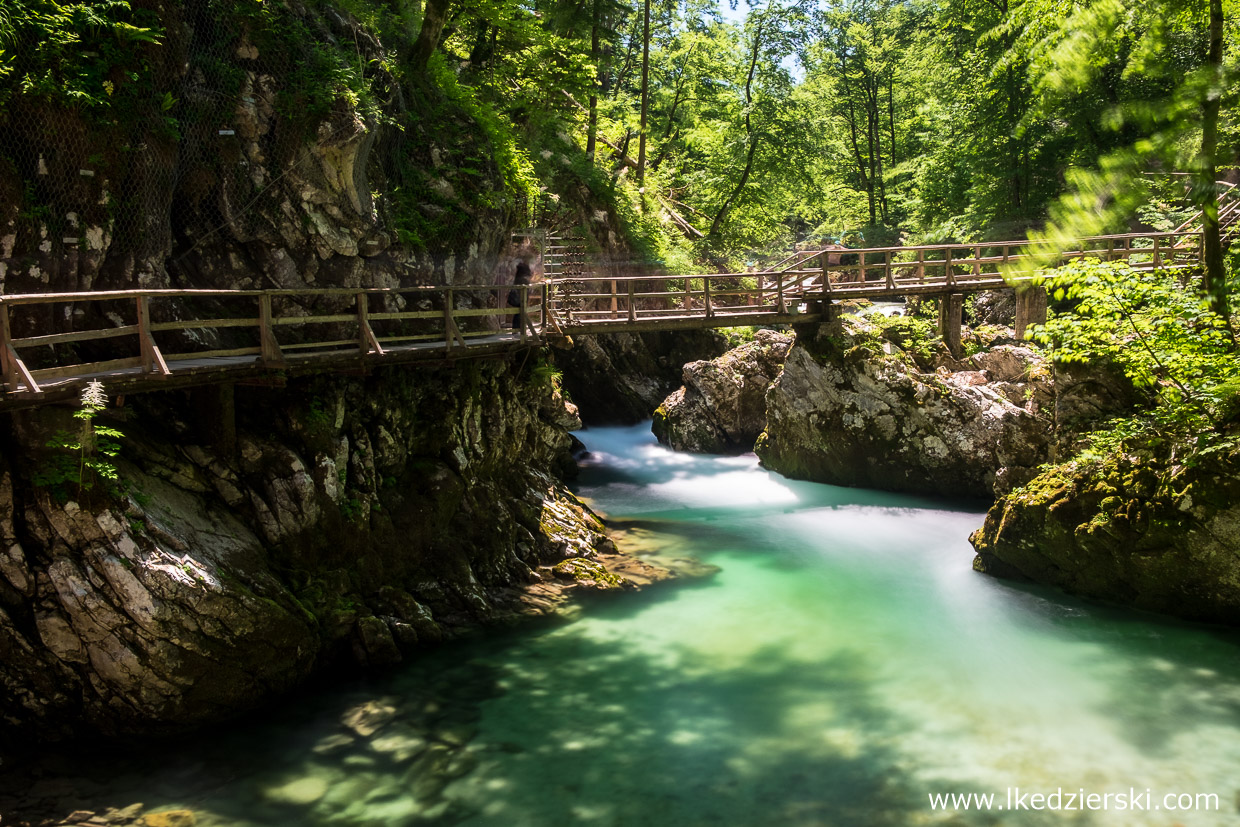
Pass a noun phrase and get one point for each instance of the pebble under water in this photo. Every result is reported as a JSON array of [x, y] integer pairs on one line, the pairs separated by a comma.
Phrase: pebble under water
[[842, 665]]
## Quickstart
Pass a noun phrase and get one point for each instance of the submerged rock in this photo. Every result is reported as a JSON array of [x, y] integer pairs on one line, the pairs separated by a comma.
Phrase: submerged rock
[[853, 408], [1136, 529], [721, 408]]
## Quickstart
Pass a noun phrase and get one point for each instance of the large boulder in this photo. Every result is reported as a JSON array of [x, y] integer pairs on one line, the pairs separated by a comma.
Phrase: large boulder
[[852, 408], [1134, 528], [721, 407]]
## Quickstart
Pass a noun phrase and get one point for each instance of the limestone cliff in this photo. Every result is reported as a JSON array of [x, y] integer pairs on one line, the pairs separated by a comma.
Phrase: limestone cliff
[[347, 521]]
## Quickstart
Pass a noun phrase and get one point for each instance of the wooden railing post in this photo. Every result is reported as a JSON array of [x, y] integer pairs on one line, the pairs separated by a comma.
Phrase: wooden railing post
[[710, 308], [861, 267], [632, 306], [824, 259], [949, 273], [1157, 253], [891, 284], [8, 370], [689, 293], [780, 307], [269, 347], [921, 266], [614, 301], [152, 359], [367, 342], [525, 312], [450, 330]]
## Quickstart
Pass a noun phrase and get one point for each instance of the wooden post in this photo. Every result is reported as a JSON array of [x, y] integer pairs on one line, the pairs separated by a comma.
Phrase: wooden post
[[152, 359], [710, 308], [977, 260], [1157, 253], [861, 267], [891, 284], [614, 302], [1030, 308], [921, 266], [780, 307], [823, 261], [632, 307], [450, 330], [366, 340], [949, 274], [8, 370], [268, 345], [951, 312], [13, 367], [689, 294], [523, 312]]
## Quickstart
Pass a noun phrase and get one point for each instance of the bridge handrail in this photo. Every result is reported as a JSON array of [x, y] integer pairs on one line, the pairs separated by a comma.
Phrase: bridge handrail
[[549, 306], [533, 311]]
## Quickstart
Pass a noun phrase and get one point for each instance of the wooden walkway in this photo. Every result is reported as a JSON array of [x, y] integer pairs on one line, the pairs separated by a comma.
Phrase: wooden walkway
[[137, 340]]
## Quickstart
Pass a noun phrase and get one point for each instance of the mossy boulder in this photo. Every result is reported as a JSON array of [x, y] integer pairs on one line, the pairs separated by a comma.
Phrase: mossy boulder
[[1135, 528]]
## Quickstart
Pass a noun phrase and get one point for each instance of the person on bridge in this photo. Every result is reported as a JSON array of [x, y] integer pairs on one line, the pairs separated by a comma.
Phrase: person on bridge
[[522, 276]]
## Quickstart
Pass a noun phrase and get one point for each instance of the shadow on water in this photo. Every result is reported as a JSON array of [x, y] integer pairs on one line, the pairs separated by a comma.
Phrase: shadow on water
[[551, 729]]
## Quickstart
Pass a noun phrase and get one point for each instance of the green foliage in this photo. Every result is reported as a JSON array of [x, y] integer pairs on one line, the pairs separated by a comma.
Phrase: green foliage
[[351, 509], [911, 333], [82, 459], [1165, 339], [545, 375]]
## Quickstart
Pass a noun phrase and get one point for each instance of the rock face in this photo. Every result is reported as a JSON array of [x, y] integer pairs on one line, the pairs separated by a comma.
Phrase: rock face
[[851, 408], [347, 521], [721, 408], [1138, 530], [620, 378]]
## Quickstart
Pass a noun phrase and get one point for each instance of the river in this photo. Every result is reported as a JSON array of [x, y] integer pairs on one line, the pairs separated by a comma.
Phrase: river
[[842, 666]]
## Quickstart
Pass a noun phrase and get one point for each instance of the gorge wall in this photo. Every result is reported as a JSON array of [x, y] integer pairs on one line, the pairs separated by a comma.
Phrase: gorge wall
[[346, 522]]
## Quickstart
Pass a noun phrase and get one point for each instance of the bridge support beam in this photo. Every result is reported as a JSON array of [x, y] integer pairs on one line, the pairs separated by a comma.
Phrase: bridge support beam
[[951, 317], [1030, 308]]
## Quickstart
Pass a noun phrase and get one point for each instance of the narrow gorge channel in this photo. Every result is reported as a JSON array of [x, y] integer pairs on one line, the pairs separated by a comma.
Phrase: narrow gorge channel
[[841, 664]]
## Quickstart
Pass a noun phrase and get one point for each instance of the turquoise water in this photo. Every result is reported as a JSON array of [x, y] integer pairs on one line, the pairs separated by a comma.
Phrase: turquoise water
[[843, 664]]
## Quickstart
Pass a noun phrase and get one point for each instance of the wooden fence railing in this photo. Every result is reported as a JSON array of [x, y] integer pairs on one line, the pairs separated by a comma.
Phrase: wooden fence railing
[[878, 272], [447, 318], [160, 332]]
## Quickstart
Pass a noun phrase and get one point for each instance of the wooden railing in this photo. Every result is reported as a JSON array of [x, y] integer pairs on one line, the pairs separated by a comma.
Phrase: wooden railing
[[874, 273], [451, 317], [158, 333]]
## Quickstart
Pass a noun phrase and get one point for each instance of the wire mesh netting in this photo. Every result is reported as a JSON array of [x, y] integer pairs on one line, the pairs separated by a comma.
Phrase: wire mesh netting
[[215, 144]]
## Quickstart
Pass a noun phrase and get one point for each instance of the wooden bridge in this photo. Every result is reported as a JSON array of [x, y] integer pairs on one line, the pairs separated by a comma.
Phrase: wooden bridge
[[137, 340]]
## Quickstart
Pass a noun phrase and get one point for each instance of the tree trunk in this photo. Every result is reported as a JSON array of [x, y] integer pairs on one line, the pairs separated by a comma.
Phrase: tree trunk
[[641, 138], [433, 20], [592, 129], [1214, 276]]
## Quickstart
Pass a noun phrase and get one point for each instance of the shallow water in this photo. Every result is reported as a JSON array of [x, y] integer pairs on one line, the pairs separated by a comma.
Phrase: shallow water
[[844, 663]]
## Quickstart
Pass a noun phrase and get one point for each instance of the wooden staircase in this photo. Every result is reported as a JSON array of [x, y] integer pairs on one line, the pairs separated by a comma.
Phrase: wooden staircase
[[1228, 216]]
